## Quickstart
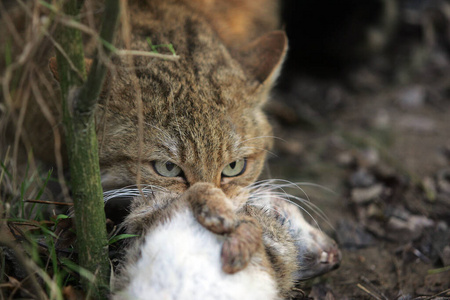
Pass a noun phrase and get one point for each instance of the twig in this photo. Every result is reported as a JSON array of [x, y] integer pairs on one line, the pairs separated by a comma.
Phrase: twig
[[367, 281], [447, 291], [49, 202], [147, 53], [368, 291], [10, 25]]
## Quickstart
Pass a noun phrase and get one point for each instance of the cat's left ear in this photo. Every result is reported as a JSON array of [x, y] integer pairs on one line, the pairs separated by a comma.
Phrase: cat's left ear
[[263, 57]]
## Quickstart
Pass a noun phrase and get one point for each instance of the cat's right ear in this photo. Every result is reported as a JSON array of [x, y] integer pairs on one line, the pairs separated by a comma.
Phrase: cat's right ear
[[262, 58], [53, 66]]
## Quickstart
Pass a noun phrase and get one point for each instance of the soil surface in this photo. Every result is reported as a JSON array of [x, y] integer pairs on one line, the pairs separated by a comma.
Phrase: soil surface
[[377, 163], [365, 131]]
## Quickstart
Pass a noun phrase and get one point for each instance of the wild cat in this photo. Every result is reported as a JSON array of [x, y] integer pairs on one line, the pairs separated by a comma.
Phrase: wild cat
[[195, 131], [202, 233]]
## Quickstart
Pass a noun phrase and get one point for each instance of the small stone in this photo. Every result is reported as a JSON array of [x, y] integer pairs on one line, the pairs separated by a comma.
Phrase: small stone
[[384, 171], [443, 181], [345, 159], [407, 230], [365, 195], [374, 211], [412, 97], [382, 120], [439, 59], [352, 235], [445, 256], [446, 151], [417, 124], [429, 188], [336, 143], [441, 160], [368, 158], [362, 178]]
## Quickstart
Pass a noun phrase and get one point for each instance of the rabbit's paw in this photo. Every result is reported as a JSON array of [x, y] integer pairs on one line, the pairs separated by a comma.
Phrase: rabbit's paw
[[240, 245]]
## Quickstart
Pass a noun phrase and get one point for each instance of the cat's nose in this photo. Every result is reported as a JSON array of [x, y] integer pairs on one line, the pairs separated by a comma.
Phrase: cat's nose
[[202, 187], [205, 190]]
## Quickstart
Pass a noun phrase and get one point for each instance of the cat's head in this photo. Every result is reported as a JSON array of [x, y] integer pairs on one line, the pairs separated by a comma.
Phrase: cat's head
[[199, 119]]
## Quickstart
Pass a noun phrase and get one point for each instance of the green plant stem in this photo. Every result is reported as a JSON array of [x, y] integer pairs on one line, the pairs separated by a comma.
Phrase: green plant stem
[[92, 88], [79, 102]]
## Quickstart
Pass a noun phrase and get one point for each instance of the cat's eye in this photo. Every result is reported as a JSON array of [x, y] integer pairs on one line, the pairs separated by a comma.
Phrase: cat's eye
[[234, 169], [167, 168]]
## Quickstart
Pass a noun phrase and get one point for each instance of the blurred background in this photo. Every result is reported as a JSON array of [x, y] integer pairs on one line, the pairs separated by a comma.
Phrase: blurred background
[[362, 110]]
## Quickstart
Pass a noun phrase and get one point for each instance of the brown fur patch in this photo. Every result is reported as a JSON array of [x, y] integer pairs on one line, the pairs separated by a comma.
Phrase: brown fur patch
[[240, 245], [211, 207]]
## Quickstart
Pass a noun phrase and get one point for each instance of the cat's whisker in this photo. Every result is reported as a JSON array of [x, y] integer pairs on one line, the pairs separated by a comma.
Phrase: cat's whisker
[[297, 201], [268, 187], [301, 201], [261, 149], [131, 192], [263, 207], [254, 202], [287, 183], [269, 196], [260, 137], [322, 187]]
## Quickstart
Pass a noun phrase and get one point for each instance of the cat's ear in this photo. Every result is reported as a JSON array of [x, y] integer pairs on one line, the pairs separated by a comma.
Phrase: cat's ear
[[53, 66], [263, 57]]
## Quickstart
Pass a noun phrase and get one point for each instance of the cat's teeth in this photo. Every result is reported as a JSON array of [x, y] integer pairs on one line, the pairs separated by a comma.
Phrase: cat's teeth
[[324, 257], [331, 258]]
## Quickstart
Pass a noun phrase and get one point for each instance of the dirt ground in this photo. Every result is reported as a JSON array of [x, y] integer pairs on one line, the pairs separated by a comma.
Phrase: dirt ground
[[379, 160], [366, 134]]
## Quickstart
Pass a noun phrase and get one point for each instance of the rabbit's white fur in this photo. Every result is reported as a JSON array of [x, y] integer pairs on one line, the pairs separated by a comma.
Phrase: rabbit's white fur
[[180, 259]]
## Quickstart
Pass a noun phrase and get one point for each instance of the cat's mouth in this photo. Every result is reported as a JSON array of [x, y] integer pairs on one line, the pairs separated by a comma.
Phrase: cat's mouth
[[118, 201], [116, 209]]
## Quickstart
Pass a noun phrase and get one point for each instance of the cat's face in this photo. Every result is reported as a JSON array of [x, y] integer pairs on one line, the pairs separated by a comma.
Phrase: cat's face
[[201, 121], [189, 134]]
